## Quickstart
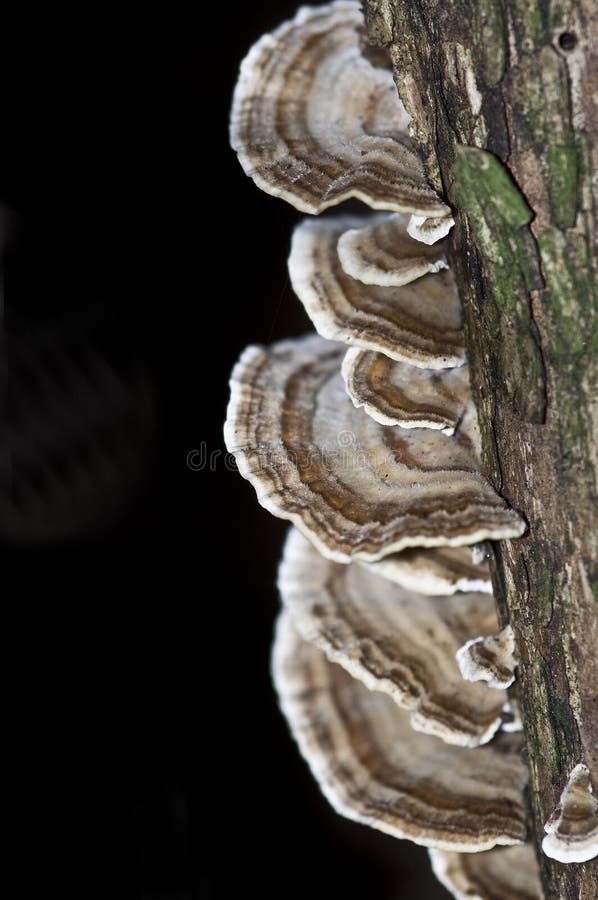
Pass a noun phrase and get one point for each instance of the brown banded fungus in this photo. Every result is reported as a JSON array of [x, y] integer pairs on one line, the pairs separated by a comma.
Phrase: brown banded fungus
[[314, 122], [505, 873], [377, 466], [381, 252], [355, 488], [491, 659], [397, 393], [418, 323], [511, 716], [429, 230], [375, 769], [572, 829], [437, 571], [393, 640]]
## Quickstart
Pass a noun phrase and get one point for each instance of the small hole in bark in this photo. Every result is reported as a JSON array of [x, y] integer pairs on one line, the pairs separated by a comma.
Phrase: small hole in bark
[[567, 40]]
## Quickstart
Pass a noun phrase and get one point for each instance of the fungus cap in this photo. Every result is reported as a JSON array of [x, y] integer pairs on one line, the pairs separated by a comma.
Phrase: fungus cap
[[381, 252], [489, 658], [355, 488], [572, 829], [375, 769], [419, 323], [504, 872], [393, 640], [397, 393], [315, 122]]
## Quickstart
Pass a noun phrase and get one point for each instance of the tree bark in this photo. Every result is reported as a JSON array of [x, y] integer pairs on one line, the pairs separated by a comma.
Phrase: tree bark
[[500, 93]]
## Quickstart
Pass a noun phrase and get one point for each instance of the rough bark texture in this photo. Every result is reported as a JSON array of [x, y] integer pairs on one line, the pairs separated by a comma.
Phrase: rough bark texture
[[500, 92]]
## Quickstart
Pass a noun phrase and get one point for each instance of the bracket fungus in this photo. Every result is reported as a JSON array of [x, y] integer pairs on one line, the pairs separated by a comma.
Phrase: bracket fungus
[[504, 873], [375, 769], [436, 571], [572, 829], [491, 659], [397, 393], [429, 230], [355, 488], [381, 252], [314, 122], [418, 323], [372, 452], [511, 716], [479, 554], [393, 640]]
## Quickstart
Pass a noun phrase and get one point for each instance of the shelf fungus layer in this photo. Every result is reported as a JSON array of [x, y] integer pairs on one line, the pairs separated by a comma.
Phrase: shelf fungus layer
[[435, 571], [314, 122], [397, 393], [418, 323], [572, 829], [381, 252], [429, 230], [374, 768], [355, 488], [489, 658], [393, 640], [505, 873]]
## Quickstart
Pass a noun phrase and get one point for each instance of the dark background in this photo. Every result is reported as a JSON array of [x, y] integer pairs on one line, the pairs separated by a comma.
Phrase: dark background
[[150, 759]]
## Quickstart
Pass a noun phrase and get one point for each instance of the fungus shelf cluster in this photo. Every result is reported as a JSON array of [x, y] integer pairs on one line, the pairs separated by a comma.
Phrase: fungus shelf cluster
[[364, 436]]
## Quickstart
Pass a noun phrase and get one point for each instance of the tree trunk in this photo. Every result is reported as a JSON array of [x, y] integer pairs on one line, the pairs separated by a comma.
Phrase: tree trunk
[[500, 93]]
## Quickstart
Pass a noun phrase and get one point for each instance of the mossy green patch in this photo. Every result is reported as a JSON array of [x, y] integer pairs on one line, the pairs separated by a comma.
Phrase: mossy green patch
[[563, 184], [499, 216], [484, 186], [492, 35]]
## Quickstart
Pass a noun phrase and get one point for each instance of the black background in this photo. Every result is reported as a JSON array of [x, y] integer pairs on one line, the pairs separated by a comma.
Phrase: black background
[[153, 762]]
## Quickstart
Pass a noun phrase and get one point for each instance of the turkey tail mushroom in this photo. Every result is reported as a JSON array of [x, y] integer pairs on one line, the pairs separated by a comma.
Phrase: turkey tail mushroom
[[504, 873], [393, 640], [491, 659], [375, 769], [381, 252], [314, 122], [418, 323], [355, 488], [572, 829], [365, 437], [438, 571], [397, 393]]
